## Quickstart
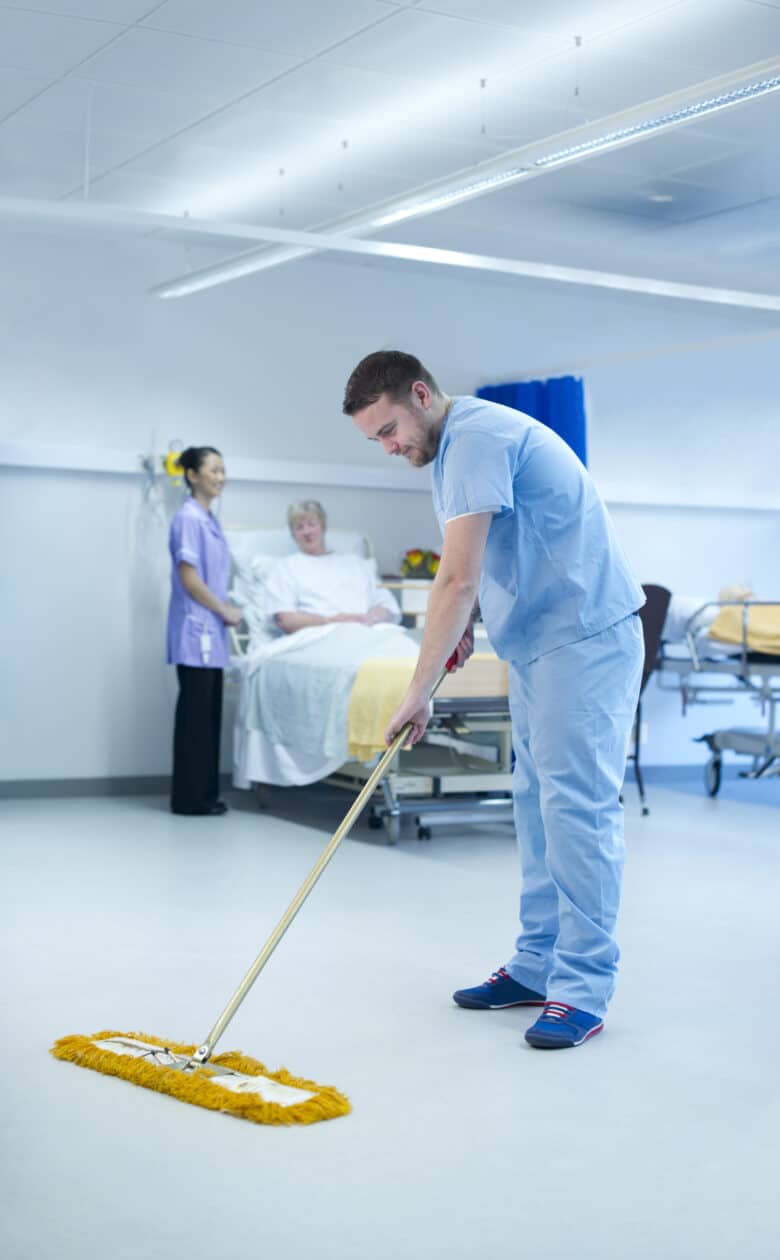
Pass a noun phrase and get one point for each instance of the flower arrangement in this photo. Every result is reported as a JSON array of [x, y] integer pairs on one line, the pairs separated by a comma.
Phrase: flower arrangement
[[420, 564]]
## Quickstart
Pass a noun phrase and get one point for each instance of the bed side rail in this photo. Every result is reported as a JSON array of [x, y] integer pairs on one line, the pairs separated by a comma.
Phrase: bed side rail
[[695, 622]]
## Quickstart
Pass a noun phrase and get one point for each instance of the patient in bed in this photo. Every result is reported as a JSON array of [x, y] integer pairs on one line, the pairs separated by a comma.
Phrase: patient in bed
[[315, 586]]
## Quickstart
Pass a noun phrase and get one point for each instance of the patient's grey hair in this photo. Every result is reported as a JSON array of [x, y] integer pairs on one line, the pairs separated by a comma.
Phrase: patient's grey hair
[[306, 507]]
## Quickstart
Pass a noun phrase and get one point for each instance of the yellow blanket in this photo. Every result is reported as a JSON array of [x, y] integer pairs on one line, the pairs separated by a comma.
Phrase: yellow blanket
[[763, 629], [377, 691], [380, 686]]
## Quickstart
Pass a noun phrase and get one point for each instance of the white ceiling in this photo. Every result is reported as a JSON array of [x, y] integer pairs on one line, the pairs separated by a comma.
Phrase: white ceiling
[[197, 105]]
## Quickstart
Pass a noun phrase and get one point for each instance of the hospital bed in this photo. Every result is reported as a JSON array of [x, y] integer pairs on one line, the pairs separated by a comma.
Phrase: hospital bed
[[460, 772], [707, 670]]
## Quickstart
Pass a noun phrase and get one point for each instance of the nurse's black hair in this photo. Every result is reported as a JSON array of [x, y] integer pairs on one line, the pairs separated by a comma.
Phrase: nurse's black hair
[[194, 457]]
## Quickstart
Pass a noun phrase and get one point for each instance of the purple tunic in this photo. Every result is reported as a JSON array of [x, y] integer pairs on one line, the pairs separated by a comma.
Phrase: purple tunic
[[196, 538]]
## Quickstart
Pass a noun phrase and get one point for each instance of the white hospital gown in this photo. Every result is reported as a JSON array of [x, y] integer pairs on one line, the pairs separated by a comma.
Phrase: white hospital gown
[[326, 585]]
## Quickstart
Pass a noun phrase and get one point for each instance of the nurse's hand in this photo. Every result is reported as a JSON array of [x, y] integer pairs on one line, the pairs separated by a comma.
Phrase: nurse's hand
[[410, 711], [464, 648], [231, 615]]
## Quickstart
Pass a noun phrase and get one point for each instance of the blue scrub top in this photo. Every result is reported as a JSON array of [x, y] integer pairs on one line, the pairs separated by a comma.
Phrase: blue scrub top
[[554, 572]]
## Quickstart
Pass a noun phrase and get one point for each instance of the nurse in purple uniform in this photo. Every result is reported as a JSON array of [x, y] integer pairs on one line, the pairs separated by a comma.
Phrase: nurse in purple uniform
[[198, 618]]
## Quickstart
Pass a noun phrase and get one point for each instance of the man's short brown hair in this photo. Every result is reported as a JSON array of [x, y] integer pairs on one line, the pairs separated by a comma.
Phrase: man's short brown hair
[[388, 372]]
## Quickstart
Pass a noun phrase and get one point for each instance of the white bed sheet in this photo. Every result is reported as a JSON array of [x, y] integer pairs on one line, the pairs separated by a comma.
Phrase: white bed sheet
[[291, 725]]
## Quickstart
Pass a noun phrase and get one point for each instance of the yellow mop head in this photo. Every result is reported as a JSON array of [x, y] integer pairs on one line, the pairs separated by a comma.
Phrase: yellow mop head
[[230, 1082]]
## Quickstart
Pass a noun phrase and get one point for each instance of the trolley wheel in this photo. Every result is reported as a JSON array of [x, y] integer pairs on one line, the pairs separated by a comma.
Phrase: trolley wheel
[[712, 775], [423, 833], [375, 820]]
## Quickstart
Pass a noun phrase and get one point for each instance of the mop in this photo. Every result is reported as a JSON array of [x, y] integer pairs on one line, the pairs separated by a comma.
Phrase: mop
[[231, 1082]]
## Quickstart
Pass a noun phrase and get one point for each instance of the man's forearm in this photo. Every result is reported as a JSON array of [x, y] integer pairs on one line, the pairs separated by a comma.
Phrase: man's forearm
[[448, 614]]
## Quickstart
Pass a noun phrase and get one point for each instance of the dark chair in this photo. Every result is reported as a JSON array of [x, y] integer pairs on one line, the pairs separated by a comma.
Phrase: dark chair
[[652, 616]]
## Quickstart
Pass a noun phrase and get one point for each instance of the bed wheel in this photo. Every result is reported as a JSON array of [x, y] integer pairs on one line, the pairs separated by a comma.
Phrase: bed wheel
[[712, 775], [423, 833], [375, 820], [392, 825]]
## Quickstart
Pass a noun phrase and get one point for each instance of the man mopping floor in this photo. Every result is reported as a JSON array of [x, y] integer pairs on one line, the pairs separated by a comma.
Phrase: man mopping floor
[[525, 530]]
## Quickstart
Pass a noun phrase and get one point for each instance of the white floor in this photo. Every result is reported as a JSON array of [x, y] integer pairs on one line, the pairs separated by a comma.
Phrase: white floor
[[657, 1140]]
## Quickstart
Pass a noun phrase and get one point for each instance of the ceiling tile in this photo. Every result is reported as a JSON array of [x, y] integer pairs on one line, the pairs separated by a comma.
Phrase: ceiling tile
[[562, 20], [299, 28], [121, 11], [711, 37], [323, 90], [250, 127], [181, 64], [474, 47], [22, 176], [49, 45], [145, 114], [140, 191], [523, 14], [56, 144], [17, 87]]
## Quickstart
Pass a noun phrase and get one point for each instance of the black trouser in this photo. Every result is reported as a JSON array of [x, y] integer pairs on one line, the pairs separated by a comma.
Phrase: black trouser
[[196, 738]]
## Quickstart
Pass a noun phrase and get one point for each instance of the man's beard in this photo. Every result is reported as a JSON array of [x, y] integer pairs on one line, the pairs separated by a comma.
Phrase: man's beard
[[425, 446]]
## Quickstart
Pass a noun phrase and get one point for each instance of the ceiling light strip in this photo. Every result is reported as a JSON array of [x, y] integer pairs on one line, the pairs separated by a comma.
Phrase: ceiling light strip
[[121, 216], [486, 262], [652, 125]]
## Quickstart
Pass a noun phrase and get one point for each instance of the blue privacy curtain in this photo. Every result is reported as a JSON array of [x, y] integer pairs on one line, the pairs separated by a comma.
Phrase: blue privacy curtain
[[559, 403]]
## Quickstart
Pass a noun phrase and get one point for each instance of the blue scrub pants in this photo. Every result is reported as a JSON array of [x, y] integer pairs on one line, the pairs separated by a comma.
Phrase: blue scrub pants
[[572, 712]]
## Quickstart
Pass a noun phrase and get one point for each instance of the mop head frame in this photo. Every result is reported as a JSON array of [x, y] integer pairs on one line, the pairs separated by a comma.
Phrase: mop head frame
[[231, 1082]]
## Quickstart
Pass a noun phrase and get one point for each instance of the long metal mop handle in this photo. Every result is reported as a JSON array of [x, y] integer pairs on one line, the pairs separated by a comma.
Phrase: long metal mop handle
[[205, 1051]]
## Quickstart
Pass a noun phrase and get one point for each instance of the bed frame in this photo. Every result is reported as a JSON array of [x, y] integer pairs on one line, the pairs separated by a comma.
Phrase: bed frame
[[461, 771], [703, 680]]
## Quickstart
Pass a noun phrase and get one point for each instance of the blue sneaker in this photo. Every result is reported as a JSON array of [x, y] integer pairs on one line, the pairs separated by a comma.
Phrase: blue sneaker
[[560, 1026], [497, 993]]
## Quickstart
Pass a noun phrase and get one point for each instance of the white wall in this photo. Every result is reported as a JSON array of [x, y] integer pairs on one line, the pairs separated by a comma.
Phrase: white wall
[[258, 369]]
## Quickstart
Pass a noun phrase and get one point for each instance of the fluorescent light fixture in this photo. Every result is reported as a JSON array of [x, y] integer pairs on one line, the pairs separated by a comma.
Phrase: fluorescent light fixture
[[512, 267], [632, 125], [653, 125], [75, 213]]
